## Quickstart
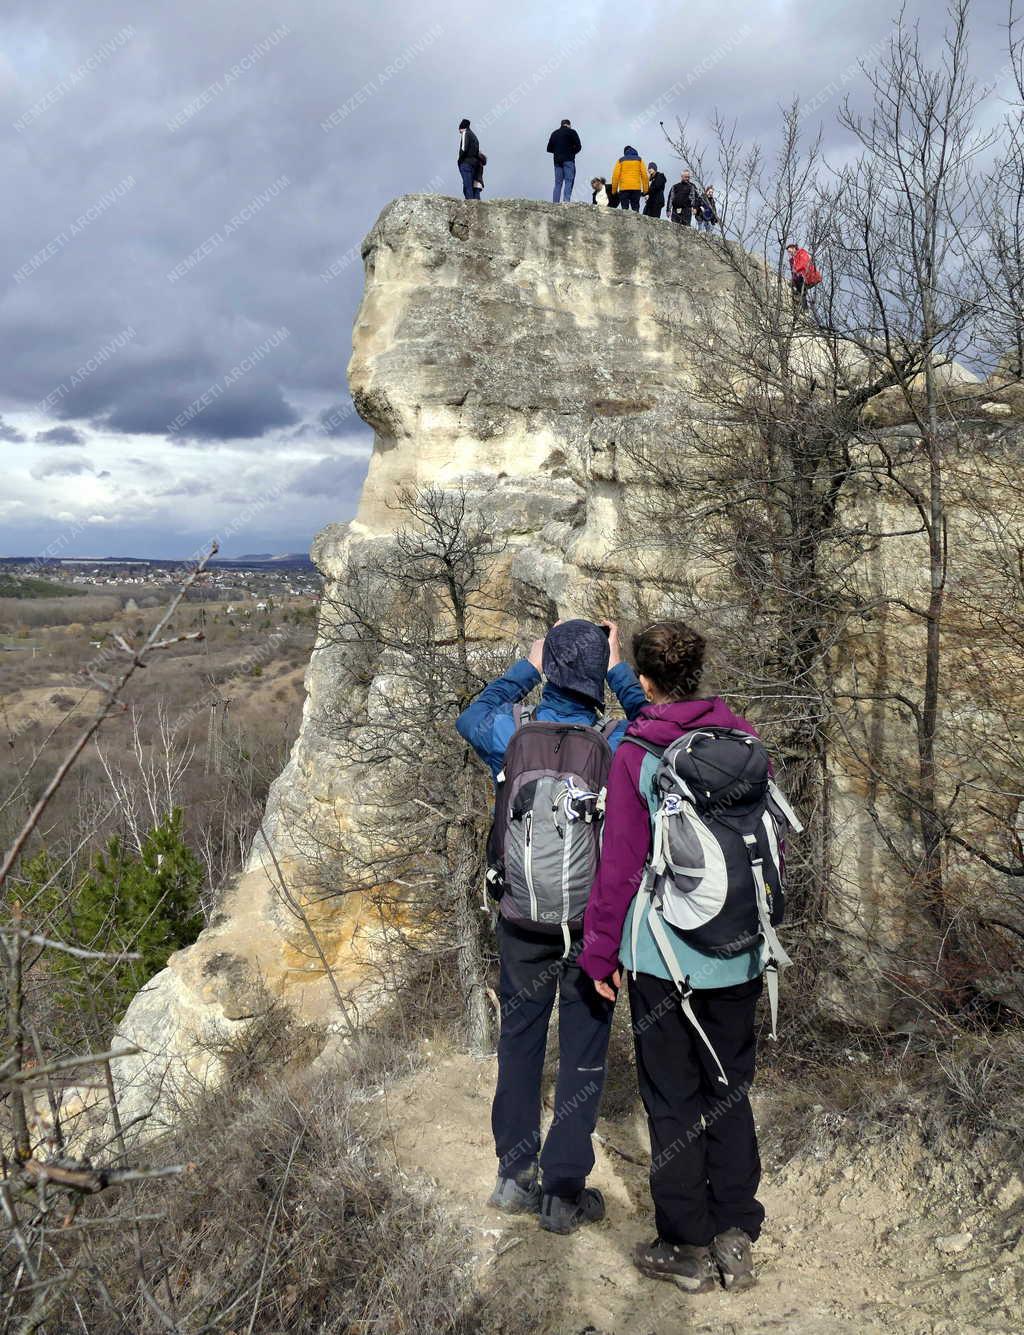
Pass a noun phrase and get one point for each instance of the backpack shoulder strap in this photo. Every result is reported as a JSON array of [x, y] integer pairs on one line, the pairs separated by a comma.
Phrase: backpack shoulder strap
[[649, 747], [648, 769]]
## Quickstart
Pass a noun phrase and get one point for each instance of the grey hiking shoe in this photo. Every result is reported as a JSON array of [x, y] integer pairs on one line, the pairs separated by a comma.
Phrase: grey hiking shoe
[[734, 1259], [565, 1214], [517, 1195], [691, 1268]]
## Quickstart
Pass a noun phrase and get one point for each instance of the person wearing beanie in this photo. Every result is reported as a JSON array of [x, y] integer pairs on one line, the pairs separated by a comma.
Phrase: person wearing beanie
[[470, 161], [629, 179], [572, 663], [656, 193]]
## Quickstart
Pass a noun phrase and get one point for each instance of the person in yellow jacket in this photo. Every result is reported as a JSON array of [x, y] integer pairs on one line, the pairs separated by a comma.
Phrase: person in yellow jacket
[[630, 180]]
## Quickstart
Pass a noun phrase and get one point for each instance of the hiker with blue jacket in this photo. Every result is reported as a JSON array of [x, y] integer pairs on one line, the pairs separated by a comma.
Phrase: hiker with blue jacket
[[550, 768], [686, 901]]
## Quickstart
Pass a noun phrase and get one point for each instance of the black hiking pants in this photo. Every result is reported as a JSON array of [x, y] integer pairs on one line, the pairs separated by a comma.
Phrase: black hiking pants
[[532, 973], [705, 1166]]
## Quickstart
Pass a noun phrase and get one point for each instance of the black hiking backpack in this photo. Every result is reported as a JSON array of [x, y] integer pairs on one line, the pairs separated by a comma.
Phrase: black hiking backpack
[[546, 838], [716, 870]]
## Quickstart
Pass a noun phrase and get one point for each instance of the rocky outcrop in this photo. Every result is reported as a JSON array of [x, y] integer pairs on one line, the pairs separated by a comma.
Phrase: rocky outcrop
[[515, 350]]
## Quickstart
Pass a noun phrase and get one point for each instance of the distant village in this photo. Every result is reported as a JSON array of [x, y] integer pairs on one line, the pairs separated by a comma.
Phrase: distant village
[[250, 584]]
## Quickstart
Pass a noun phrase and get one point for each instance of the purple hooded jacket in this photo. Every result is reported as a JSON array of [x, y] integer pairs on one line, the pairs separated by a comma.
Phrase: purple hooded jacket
[[627, 824]]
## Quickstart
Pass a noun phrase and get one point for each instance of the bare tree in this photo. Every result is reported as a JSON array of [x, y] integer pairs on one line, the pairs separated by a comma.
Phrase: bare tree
[[907, 235], [780, 488], [44, 1176], [408, 631]]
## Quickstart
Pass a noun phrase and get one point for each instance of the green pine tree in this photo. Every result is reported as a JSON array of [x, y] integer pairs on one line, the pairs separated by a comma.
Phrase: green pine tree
[[147, 902]]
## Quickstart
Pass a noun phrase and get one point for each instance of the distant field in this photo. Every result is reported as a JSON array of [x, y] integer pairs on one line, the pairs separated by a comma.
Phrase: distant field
[[215, 716], [29, 586]]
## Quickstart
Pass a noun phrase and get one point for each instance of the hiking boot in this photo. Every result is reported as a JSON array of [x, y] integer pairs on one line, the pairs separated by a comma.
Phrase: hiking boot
[[565, 1214], [517, 1195], [691, 1268], [733, 1257]]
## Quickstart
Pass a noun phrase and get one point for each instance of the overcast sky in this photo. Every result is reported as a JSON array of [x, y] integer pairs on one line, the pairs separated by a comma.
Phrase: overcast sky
[[187, 183]]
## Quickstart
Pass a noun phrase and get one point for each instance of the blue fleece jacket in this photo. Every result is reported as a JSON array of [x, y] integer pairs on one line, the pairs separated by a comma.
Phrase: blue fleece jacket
[[488, 724]]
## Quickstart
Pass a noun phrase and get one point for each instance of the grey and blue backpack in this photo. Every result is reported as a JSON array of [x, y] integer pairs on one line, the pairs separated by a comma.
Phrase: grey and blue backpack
[[545, 841]]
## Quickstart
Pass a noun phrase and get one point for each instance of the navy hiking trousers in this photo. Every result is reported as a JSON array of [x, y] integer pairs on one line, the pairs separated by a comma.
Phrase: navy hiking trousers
[[533, 973]]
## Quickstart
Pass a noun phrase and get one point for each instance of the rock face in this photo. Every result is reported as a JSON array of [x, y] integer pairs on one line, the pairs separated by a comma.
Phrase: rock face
[[514, 350]]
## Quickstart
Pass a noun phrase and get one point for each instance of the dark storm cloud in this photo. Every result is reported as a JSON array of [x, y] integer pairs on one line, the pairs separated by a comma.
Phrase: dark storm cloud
[[330, 476], [337, 421], [189, 178], [60, 435]]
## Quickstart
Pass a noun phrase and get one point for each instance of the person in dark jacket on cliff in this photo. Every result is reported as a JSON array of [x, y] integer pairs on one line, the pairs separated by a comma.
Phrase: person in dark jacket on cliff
[[564, 143], [681, 200], [656, 193], [707, 210], [705, 1167], [469, 161], [576, 657]]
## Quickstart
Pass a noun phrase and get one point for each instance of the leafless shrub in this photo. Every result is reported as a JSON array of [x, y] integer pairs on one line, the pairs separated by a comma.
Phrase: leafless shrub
[[408, 633], [293, 1218]]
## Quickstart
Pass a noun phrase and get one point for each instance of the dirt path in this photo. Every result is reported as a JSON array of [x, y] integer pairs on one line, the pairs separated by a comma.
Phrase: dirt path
[[850, 1246]]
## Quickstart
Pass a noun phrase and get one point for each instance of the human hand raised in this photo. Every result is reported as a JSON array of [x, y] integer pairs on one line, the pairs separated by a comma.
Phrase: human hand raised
[[614, 651]]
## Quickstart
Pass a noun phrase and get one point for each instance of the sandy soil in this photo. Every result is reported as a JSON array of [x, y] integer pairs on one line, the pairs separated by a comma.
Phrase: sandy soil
[[850, 1244]]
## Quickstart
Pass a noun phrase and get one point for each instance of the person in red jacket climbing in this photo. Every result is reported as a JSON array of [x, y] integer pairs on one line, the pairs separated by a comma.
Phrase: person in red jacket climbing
[[803, 274]]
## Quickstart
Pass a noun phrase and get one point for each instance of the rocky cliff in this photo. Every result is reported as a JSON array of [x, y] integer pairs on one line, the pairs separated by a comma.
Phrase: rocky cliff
[[517, 351]]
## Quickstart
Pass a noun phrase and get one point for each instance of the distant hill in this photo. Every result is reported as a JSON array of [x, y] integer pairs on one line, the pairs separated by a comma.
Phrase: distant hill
[[267, 558], [26, 586], [12, 564]]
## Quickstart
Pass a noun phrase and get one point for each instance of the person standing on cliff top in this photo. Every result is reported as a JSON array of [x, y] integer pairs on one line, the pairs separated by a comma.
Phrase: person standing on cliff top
[[549, 768], [630, 179], [563, 144], [707, 210], [469, 161], [681, 200], [656, 194]]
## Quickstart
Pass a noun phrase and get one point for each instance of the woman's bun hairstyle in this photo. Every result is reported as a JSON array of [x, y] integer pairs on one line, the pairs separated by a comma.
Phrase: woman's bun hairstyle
[[671, 654]]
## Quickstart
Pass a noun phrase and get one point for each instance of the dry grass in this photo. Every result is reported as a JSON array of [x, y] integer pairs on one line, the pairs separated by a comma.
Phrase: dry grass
[[293, 1219]]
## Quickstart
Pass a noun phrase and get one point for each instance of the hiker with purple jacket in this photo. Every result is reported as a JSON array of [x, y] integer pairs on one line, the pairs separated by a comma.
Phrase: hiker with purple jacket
[[549, 767], [692, 1009]]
